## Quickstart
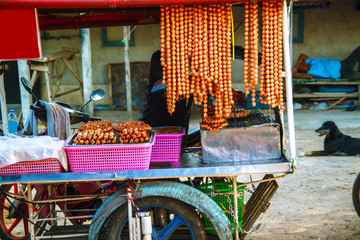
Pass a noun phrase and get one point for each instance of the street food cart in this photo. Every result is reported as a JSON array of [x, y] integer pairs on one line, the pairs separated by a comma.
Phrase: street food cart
[[165, 200]]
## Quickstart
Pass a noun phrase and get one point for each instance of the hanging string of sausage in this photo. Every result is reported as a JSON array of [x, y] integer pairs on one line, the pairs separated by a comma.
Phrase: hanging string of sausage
[[271, 85], [196, 58], [251, 69]]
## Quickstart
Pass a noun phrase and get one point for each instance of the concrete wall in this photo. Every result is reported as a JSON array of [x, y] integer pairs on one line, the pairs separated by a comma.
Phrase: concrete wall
[[331, 33]]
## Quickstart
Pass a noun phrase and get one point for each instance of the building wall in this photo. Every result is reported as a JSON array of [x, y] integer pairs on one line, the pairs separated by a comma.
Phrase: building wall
[[147, 41], [330, 33]]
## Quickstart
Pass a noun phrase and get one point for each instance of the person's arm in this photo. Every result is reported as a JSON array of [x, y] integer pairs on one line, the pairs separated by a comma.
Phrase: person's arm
[[302, 75], [301, 58], [295, 70]]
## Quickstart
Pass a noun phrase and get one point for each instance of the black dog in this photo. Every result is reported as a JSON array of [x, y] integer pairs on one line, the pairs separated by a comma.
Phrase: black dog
[[337, 143]]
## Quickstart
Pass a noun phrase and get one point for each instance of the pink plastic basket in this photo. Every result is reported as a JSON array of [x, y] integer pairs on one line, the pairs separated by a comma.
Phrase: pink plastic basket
[[50, 165], [109, 157], [167, 147]]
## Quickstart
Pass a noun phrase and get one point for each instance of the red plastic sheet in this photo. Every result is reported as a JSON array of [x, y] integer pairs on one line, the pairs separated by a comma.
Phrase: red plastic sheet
[[19, 34]]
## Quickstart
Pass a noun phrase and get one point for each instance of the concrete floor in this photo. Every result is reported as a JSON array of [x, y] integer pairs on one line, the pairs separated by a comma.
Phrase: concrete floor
[[311, 119]]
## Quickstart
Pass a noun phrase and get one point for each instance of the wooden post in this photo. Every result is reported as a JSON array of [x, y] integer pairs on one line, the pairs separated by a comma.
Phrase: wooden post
[[48, 87], [26, 99], [4, 111], [127, 71], [86, 68], [31, 212], [336, 103]]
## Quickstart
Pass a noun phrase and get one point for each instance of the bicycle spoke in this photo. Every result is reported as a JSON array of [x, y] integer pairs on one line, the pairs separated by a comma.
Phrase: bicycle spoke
[[17, 221], [168, 230], [16, 189], [16, 227], [5, 207], [155, 232], [26, 227]]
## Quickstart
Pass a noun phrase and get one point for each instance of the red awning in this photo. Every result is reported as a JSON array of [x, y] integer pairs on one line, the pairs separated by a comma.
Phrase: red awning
[[49, 20], [73, 14], [96, 4]]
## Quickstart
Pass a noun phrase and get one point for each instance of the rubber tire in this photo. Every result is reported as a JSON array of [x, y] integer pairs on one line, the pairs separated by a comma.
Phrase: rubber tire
[[3, 234], [356, 194], [111, 227]]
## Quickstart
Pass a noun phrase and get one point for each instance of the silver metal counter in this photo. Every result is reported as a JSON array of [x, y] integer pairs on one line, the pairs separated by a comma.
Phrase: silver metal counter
[[190, 165]]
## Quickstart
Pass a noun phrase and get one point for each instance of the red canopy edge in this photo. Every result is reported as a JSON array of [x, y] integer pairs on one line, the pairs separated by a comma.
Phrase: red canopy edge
[[21, 38], [97, 19], [86, 4]]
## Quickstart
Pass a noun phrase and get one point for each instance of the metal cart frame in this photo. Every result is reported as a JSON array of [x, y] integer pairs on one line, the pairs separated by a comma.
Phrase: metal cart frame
[[286, 164]]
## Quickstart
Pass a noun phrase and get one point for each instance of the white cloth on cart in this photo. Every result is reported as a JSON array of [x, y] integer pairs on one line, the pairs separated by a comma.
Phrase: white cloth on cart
[[14, 149]]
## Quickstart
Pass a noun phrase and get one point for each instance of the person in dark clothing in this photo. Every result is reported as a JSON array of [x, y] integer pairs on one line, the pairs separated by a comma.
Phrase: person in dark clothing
[[155, 112], [308, 68]]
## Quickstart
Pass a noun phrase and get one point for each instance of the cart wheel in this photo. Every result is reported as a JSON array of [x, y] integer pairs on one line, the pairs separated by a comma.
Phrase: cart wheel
[[356, 194], [14, 224], [172, 219]]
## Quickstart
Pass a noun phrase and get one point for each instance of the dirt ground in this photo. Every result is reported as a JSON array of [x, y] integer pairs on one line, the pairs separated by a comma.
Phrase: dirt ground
[[314, 202]]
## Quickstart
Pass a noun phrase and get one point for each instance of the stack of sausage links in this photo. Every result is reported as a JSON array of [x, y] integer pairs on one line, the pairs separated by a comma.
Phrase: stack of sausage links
[[240, 113], [196, 39], [271, 85], [210, 122], [96, 132], [235, 113], [133, 132]]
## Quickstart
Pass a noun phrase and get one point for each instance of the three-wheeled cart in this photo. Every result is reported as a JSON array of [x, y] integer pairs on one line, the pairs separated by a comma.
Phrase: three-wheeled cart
[[165, 201]]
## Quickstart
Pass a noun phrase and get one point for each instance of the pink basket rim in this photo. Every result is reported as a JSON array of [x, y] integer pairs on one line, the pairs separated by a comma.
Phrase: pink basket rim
[[171, 134], [109, 146]]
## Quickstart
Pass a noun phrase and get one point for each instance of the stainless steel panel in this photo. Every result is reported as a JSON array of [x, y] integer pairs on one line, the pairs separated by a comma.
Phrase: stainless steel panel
[[241, 144]]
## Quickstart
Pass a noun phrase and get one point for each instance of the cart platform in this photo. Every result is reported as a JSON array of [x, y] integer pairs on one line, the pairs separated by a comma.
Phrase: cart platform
[[190, 165]]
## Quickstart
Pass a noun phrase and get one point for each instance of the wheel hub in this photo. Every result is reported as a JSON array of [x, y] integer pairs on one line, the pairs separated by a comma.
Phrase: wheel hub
[[18, 211]]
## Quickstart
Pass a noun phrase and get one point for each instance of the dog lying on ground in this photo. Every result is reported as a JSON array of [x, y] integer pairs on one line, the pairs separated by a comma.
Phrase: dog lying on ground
[[336, 143]]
